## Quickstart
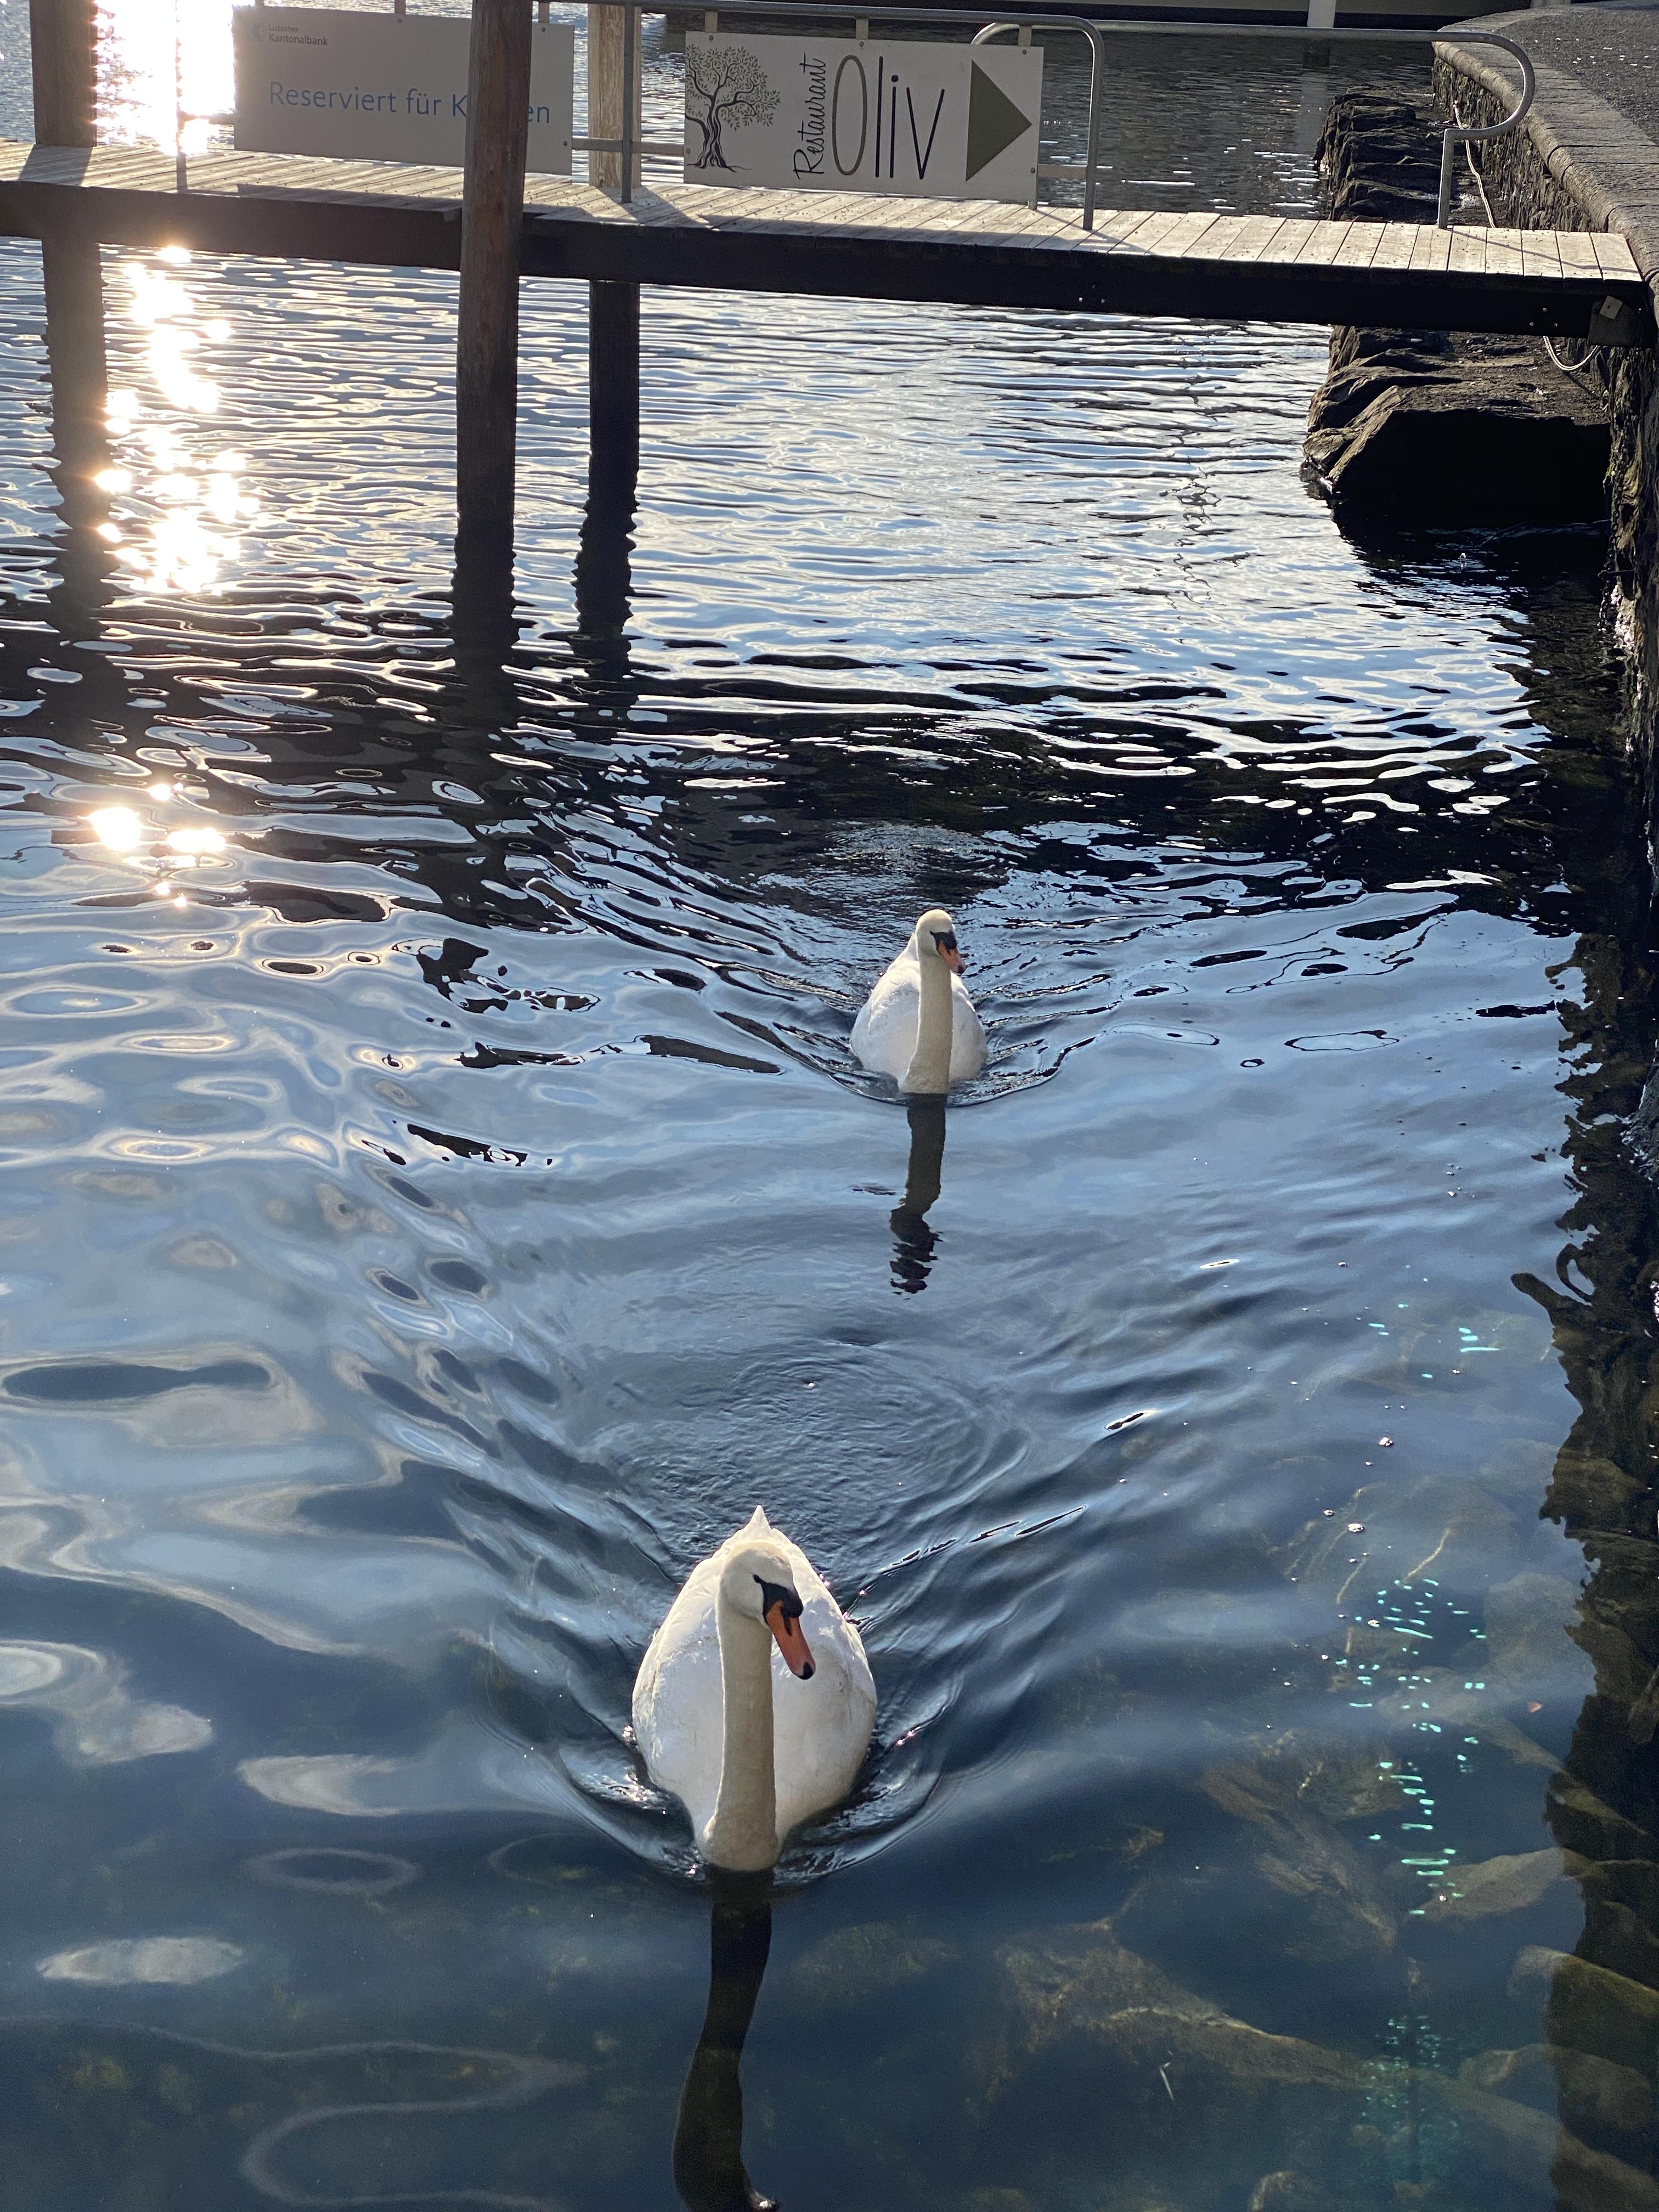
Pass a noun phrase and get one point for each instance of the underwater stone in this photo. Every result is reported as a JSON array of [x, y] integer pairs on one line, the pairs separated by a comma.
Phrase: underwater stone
[[1082, 1981], [1592, 2008], [1602, 2103], [1349, 1788], [1289, 2191], [856, 1963], [1532, 2148], [1581, 1822], [1528, 1624], [1502, 1885], [1614, 1932], [1305, 1858], [1439, 1525], [1521, 1471], [1587, 1491]]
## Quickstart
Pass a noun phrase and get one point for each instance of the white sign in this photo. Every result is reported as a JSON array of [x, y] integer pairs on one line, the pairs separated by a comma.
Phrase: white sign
[[811, 114], [383, 87]]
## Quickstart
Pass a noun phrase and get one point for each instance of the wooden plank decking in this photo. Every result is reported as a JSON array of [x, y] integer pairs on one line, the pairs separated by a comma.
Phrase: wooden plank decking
[[1228, 266]]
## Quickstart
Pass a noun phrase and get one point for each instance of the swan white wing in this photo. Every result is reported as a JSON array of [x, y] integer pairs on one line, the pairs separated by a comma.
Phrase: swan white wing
[[884, 1034], [821, 1729], [967, 1035], [678, 1702]]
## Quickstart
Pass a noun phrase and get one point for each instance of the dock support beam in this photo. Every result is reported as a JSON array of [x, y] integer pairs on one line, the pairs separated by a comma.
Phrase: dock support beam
[[487, 348], [64, 43]]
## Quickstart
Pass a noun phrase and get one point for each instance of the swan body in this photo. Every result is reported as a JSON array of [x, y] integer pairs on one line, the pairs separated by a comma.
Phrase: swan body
[[753, 1702], [919, 1024]]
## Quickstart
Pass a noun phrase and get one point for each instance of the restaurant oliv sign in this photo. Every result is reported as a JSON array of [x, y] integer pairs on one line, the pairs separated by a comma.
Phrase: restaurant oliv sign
[[811, 114]]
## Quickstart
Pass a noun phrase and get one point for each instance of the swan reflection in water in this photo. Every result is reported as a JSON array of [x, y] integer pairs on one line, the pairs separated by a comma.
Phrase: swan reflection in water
[[708, 2169], [913, 1241]]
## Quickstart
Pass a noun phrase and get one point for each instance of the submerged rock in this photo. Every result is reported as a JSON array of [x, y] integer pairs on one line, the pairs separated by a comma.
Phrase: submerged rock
[[1593, 2009], [1528, 1622], [1349, 1788], [1437, 1525], [1302, 1855], [1289, 2191], [1502, 1885], [1588, 1491], [1139, 2065], [1531, 2148], [1082, 1981], [1604, 2105], [857, 1963], [1581, 1821], [1521, 1471]]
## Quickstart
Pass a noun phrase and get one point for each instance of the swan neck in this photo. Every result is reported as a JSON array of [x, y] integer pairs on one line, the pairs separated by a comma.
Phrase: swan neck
[[743, 1833], [929, 1070]]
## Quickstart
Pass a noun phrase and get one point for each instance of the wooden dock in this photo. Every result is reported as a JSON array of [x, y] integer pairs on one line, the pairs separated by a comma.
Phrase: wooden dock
[[1229, 267]]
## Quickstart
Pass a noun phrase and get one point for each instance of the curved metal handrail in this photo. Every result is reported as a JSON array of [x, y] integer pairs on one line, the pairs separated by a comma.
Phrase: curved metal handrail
[[1096, 57], [1457, 134]]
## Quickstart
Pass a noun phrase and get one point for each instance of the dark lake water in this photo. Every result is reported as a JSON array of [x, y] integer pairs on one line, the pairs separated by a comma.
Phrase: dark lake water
[[441, 1203]]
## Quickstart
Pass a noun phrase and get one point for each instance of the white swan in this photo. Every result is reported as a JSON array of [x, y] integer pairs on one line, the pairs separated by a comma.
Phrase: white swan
[[919, 1025], [751, 1744]]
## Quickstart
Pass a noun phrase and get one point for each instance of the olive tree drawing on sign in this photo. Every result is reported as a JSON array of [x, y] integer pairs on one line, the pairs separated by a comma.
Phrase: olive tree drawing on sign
[[725, 88]]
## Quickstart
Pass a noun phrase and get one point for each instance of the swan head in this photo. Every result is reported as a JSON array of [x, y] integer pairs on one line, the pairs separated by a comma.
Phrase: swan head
[[758, 1582], [936, 939]]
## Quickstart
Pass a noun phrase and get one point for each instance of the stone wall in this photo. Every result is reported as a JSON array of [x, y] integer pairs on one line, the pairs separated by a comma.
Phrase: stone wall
[[1431, 427], [1535, 179]]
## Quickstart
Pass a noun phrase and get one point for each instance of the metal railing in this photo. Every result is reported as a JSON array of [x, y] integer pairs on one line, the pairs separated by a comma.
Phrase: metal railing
[[634, 148]]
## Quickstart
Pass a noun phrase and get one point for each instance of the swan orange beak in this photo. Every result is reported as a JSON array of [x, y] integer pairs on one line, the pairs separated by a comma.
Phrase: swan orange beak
[[793, 1644], [951, 959]]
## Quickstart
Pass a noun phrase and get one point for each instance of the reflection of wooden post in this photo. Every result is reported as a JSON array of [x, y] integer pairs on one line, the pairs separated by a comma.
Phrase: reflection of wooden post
[[613, 383], [492, 218], [63, 40], [607, 39], [613, 348], [80, 398], [603, 576]]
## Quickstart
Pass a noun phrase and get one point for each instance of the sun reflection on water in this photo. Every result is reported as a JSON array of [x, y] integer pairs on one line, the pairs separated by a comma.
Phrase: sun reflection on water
[[177, 491]]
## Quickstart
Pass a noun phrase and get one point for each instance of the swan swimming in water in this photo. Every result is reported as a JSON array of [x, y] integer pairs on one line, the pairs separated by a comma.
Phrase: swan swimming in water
[[753, 1743], [919, 1025]]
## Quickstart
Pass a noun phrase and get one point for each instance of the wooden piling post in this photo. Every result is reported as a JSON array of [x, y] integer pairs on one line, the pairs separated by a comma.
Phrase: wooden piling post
[[64, 44], [492, 216], [607, 66]]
